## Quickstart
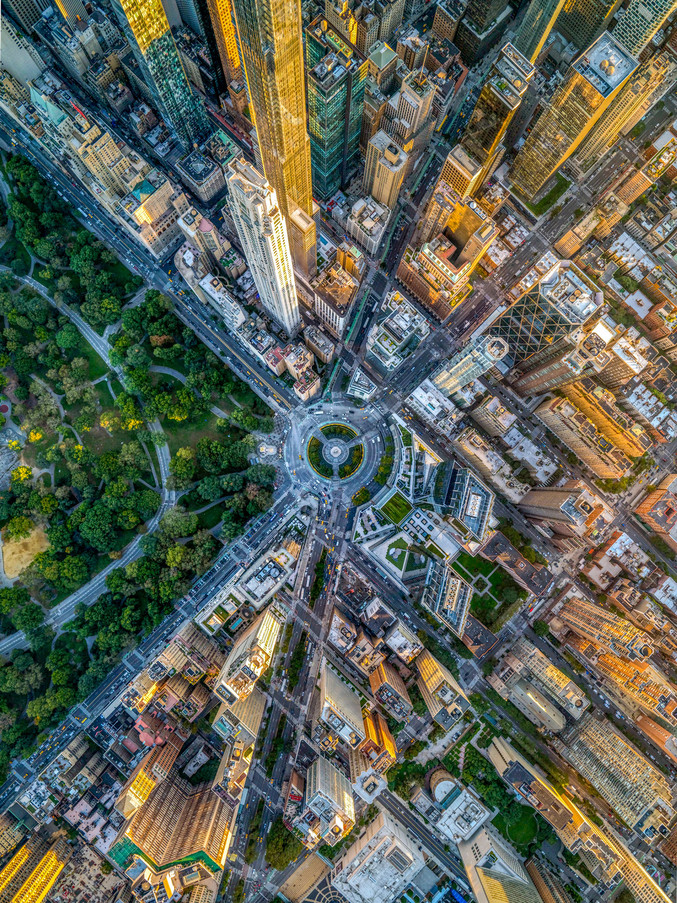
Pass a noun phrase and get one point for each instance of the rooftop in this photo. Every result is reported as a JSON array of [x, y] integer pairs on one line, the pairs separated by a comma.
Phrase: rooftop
[[571, 292], [381, 55], [605, 64]]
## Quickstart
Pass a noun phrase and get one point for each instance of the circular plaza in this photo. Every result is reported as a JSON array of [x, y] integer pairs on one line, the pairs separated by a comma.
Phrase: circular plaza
[[335, 445]]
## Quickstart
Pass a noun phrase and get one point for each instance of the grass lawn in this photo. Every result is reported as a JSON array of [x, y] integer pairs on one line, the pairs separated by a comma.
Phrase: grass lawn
[[396, 508], [104, 395], [61, 473], [475, 565], [521, 832], [551, 198], [247, 397], [189, 432], [413, 563], [152, 451], [396, 552], [116, 386], [211, 517], [406, 436], [97, 366], [120, 271], [32, 449], [99, 441], [462, 572]]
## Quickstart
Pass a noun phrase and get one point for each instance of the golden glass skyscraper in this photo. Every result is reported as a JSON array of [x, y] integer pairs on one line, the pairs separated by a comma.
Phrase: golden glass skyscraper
[[220, 13], [145, 26], [589, 87], [272, 55]]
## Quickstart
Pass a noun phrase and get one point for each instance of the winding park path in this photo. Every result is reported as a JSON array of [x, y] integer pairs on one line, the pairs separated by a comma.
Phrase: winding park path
[[90, 592]]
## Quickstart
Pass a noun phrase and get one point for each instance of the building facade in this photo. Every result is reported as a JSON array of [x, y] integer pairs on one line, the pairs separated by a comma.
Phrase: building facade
[[262, 229], [272, 55]]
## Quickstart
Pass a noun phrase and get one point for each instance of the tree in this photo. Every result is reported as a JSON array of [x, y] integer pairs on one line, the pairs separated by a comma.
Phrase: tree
[[263, 474], [133, 460], [175, 555], [182, 467], [282, 848], [28, 617], [19, 528], [13, 597], [146, 503], [98, 527], [72, 572], [68, 337], [178, 522], [541, 628], [209, 488]]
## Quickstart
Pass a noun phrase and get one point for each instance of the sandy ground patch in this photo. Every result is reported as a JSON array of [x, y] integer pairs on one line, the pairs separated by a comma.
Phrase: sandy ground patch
[[17, 555]]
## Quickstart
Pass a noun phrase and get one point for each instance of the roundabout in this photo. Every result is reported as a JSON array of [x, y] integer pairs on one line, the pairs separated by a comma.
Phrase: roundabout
[[334, 447]]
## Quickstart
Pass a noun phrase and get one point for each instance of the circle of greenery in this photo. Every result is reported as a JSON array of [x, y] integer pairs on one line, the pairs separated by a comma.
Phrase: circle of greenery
[[321, 466]]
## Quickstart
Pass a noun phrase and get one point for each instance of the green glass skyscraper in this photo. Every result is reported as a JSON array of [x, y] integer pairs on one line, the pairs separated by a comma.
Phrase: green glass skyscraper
[[335, 105], [146, 28], [536, 26]]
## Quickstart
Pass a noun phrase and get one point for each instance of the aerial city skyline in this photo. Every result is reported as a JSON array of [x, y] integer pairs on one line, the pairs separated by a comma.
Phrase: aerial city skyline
[[338, 451]]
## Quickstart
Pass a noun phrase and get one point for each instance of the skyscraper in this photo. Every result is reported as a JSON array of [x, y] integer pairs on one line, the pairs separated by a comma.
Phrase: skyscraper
[[178, 821], [573, 512], [552, 309], [612, 632], [499, 99], [658, 509], [340, 710], [25, 12], [639, 684], [589, 86], [219, 30], [251, 654], [494, 871], [600, 848], [447, 596], [262, 229], [42, 879], [652, 79], [600, 407], [633, 787], [413, 122], [640, 22], [151, 771], [384, 169], [272, 55], [438, 272], [580, 434], [461, 172], [146, 28], [379, 866], [470, 363], [335, 105], [484, 21], [581, 21], [443, 697], [536, 26], [329, 809], [388, 687]]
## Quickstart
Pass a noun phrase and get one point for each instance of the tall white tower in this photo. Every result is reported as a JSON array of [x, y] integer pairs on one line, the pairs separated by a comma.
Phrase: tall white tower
[[262, 230]]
